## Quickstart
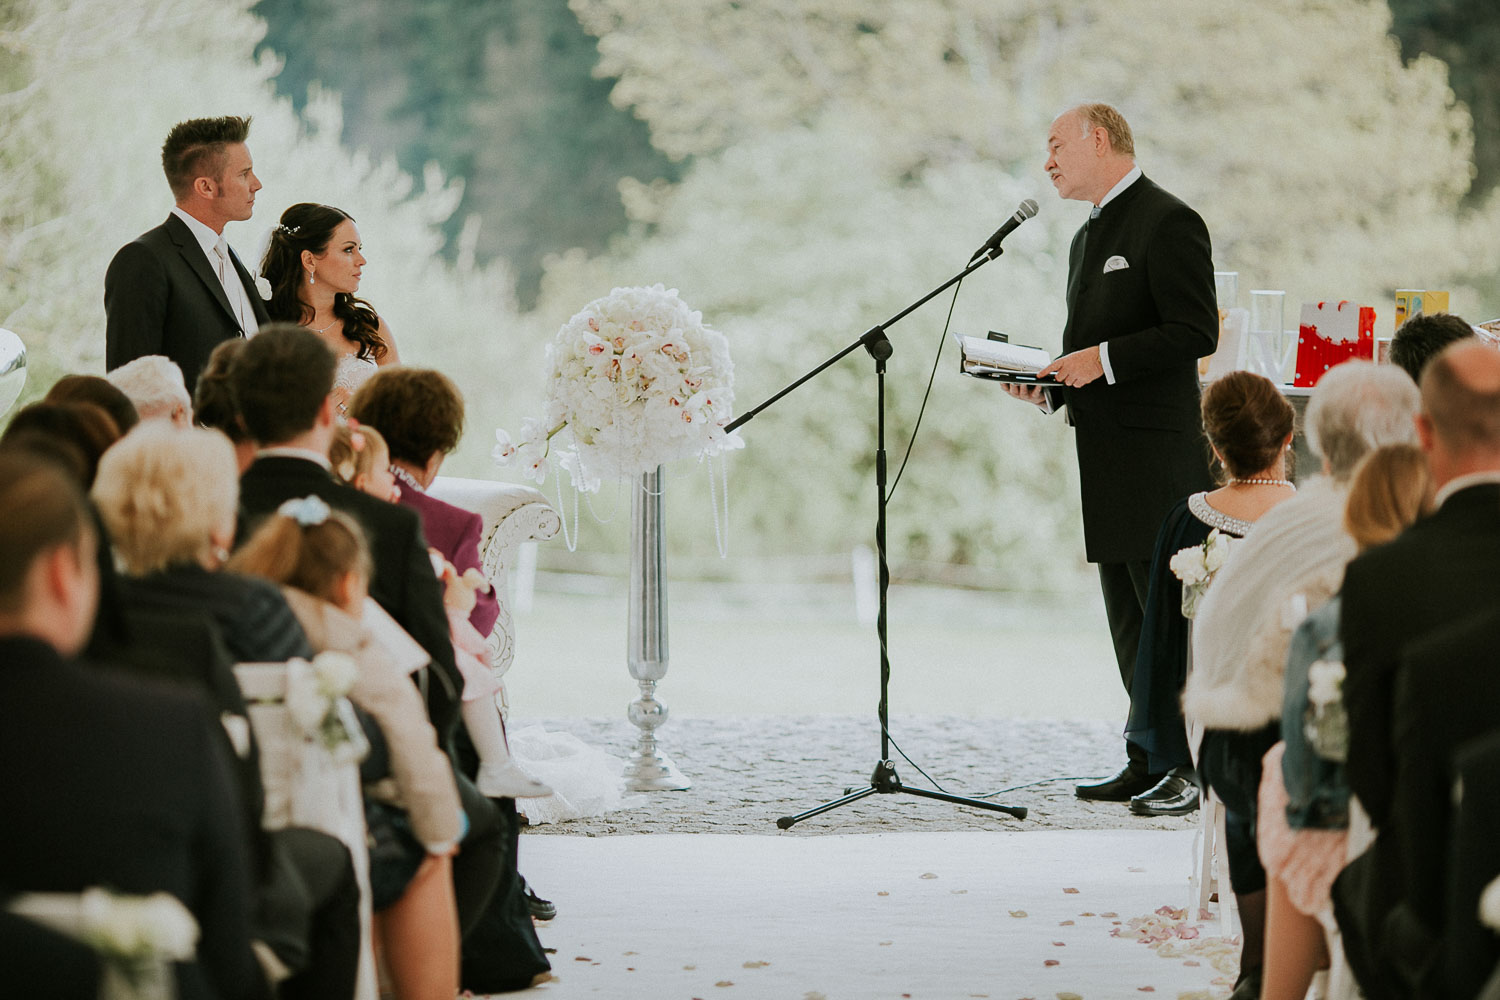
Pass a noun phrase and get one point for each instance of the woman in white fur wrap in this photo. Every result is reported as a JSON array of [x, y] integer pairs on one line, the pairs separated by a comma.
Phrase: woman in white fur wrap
[[1292, 561]]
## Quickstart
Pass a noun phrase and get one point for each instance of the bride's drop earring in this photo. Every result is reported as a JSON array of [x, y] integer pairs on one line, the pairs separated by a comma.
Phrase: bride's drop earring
[[311, 278]]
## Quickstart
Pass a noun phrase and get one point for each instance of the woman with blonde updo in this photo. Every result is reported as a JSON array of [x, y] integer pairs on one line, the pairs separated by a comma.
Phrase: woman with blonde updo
[[169, 498]]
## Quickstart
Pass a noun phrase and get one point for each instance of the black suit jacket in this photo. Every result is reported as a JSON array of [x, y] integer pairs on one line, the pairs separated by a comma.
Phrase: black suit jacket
[[110, 783], [1472, 950], [1140, 440], [403, 583], [161, 296], [1441, 570]]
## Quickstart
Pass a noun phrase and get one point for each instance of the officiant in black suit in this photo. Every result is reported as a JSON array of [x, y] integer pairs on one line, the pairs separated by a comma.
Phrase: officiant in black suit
[[1141, 312], [179, 290]]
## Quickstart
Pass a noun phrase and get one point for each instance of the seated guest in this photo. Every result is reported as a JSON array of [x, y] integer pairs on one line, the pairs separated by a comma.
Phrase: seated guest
[[1421, 338], [87, 426], [99, 391], [1436, 574], [132, 790], [1471, 941], [214, 405], [361, 459], [167, 496], [1439, 571], [154, 384], [1447, 696], [420, 413], [1249, 426], [320, 559], [76, 434], [1302, 824], [283, 383], [1243, 627]]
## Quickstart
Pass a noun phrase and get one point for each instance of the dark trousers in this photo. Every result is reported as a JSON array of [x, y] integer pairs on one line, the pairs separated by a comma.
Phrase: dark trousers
[[327, 873], [482, 858], [1125, 585], [501, 952]]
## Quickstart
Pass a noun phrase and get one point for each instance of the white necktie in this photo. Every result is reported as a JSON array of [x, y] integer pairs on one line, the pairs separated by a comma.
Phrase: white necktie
[[221, 264]]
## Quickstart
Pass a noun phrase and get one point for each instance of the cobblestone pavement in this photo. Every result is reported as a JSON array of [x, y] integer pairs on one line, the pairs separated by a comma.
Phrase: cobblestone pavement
[[746, 771]]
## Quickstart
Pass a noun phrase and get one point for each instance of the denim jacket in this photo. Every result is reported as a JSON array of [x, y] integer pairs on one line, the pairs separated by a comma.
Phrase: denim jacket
[[1316, 787]]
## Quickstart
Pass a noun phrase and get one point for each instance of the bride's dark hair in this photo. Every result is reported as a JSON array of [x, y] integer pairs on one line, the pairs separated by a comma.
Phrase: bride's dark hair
[[308, 226]]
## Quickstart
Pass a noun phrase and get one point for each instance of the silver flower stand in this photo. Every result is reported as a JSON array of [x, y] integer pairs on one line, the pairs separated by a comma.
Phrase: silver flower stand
[[648, 770]]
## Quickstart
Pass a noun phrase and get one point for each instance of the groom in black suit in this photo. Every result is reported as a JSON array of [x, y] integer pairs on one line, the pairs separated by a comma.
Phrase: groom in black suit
[[1141, 312], [179, 290]]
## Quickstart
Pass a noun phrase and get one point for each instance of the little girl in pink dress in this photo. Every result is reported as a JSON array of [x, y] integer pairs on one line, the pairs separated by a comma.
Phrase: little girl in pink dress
[[361, 458]]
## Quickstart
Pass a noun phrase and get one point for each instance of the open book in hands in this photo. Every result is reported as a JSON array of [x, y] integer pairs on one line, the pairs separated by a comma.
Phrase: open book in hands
[[991, 357], [1001, 361]]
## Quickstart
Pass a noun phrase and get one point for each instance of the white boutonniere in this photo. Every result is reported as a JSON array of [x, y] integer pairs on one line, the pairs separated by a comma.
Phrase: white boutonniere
[[263, 287], [1326, 724]]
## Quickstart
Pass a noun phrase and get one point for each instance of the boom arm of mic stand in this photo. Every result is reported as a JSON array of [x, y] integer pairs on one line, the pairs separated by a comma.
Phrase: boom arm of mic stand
[[873, 340]]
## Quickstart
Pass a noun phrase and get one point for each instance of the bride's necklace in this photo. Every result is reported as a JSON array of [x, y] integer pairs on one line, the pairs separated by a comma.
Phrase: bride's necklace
[[1253, 481], [326, 328]]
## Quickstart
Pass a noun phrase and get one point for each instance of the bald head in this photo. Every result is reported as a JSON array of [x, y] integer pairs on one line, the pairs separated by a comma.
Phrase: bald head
[[1461, 405]]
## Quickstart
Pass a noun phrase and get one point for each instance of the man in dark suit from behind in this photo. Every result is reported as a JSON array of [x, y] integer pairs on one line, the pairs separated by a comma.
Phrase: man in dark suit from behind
[[282, 382], [180, 289], [1441, 570], [1141, 312], [107, 783]]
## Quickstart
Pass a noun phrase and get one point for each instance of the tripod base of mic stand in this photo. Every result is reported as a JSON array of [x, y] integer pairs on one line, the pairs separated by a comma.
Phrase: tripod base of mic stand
[[885, 781]]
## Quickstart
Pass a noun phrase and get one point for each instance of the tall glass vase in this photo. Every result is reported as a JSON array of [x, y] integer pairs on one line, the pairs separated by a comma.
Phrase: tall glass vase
[[648, 769]]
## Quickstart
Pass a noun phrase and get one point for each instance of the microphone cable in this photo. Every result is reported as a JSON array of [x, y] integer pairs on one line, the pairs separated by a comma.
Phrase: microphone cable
[[931, 378]]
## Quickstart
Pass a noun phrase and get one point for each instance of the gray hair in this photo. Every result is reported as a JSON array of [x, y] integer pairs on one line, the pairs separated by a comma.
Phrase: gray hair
[[1358, 407], [163, 490], [155, 385]]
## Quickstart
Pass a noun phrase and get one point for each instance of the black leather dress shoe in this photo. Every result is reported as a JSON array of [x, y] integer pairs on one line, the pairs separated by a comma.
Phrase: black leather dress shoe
[[1119, 788], [1174, 795]]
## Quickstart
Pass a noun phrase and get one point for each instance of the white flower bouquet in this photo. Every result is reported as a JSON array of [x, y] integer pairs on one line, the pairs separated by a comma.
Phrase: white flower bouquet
[[1196, 565], [638, 380], [317, 700]]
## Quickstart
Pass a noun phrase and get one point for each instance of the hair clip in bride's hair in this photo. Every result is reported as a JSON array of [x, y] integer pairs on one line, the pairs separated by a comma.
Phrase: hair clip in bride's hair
[[286, 230], [307, 511]]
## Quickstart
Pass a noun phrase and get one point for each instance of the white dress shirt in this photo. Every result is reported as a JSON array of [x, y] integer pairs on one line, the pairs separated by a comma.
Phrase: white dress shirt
[[216, 249]]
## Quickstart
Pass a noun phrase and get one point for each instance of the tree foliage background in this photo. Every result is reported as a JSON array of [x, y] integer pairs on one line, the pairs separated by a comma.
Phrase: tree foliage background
[[800, 169]]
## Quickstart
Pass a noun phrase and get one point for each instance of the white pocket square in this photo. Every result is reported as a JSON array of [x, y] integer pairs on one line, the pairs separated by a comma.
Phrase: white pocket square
[[1115, 263]]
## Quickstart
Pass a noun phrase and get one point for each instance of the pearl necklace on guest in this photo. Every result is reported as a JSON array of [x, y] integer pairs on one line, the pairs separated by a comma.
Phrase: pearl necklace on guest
[[1262, 481]]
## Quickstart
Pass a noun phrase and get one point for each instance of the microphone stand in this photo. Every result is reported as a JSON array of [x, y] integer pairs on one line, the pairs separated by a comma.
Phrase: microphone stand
[[883, 779]]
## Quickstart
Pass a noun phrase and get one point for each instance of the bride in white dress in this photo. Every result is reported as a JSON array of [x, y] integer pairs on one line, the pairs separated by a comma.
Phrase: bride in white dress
[[313, 264]]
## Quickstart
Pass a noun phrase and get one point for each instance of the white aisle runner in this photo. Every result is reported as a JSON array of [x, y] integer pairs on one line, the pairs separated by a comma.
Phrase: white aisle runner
[[930, 916]]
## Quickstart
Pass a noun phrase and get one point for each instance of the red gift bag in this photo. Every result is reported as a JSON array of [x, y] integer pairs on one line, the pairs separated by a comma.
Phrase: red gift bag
[[1330, 335]]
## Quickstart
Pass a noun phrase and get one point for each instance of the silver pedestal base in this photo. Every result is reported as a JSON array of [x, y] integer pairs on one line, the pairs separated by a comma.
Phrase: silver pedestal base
[[650, 771]]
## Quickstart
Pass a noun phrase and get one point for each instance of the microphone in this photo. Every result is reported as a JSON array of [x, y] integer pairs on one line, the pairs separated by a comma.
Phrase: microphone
[[1024, 211]]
